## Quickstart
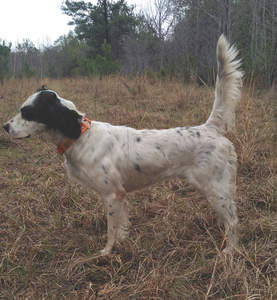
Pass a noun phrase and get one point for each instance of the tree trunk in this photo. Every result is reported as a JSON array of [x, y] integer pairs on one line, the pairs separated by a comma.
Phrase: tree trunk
[[106, 21], [274, 75]]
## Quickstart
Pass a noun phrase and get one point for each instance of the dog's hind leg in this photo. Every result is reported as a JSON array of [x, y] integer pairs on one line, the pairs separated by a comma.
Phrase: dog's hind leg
[[219, 186], [224, 205], [118, 220]]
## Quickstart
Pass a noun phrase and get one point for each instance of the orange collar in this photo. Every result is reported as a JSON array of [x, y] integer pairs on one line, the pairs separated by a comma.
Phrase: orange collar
[[68, 142]]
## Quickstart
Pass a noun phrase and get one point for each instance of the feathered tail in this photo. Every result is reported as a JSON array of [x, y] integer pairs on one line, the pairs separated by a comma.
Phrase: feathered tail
[[228, 87]]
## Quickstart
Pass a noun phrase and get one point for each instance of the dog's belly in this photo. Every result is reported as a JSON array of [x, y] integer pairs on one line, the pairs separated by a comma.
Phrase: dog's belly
[[139, 182], [140, 175]]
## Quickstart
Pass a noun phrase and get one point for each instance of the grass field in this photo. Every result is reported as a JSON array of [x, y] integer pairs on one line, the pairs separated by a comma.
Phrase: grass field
[[51, 229]]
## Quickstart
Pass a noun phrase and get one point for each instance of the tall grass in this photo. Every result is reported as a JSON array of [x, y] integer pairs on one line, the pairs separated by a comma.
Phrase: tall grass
[[51, 229]]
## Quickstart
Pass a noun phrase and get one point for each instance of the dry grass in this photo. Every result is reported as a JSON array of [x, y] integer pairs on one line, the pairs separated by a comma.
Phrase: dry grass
[[51, 229]]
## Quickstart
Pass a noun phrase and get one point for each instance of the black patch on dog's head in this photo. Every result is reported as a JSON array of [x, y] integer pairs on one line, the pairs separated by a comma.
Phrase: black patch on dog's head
[[48, 109]]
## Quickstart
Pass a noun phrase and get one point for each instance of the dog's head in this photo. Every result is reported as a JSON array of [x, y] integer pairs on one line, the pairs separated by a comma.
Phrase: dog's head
[[45, 110]]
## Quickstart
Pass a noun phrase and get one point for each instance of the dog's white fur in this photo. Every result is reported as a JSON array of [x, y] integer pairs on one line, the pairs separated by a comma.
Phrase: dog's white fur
[[115, 160]]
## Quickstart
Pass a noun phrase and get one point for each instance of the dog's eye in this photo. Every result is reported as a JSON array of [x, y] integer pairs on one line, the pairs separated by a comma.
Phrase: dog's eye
[[27, 113]]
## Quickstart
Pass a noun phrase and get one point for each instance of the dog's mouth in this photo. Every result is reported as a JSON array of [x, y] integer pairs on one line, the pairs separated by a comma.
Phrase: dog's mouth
[[21, 137]]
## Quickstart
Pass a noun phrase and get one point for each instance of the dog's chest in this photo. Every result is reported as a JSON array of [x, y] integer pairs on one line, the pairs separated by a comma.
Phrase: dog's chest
[[77, 172]]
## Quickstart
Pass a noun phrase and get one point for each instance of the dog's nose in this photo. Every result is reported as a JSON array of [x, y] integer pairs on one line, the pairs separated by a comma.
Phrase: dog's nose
[[6, 127]]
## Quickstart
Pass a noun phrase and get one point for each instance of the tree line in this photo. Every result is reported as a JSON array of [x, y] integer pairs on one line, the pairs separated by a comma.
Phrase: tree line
[[170, 38]]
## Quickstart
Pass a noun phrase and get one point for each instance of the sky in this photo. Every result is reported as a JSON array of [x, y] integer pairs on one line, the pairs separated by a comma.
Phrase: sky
[[41, 21]]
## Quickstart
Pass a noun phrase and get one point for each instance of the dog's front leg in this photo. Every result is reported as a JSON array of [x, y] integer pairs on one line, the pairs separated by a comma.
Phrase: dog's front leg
[[118, 220]]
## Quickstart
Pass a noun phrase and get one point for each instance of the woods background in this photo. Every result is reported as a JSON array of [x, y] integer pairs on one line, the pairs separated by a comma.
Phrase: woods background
[[170, 38], [51, 229]]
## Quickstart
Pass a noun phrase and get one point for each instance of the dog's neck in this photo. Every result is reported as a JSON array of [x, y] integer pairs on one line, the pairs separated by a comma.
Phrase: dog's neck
[[64, 143]]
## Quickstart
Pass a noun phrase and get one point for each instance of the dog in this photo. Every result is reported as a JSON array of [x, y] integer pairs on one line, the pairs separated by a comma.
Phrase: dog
[[115, 160]]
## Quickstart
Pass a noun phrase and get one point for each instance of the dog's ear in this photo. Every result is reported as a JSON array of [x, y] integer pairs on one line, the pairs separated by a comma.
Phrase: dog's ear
[[50, 111]]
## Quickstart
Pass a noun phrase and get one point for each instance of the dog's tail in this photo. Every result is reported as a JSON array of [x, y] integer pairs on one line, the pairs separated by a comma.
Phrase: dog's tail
[[228, 87]]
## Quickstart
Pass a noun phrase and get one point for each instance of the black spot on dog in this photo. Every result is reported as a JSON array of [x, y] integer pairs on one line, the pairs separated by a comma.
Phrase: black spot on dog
[[137, 167], [138, 157], [104, 169], [198, 133], [192, 133], [48, 109], [138, 139], [179, 132], [158, 147], [210, 148]]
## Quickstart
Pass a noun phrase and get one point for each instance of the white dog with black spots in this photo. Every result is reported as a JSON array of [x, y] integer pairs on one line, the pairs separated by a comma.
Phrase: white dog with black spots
[[115, 160]]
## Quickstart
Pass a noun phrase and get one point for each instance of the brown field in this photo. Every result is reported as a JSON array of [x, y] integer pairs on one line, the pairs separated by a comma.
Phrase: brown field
[[51, 229]]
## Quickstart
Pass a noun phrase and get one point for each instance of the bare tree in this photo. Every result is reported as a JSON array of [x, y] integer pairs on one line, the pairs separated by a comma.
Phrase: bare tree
[[159, 14], [161, 17]]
